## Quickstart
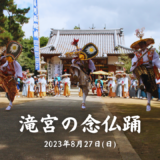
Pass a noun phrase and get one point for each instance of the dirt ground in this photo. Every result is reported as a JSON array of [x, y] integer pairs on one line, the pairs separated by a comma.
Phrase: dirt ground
[[147, 143], [18, 100]]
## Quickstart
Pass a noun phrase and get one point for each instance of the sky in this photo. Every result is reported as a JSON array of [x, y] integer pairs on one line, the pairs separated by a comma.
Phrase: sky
[[127, 14]]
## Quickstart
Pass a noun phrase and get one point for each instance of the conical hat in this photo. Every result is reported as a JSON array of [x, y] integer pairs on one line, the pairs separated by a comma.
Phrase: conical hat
[[111, 77], [140, 35], [64, 75], [124, 74], [42, 71], [42, 75], [50, 80], [30, 74], [119, 74], [119, 71]]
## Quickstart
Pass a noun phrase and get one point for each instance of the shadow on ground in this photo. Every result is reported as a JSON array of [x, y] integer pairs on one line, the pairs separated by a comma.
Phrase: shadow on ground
[[15, 145], [147, 143]]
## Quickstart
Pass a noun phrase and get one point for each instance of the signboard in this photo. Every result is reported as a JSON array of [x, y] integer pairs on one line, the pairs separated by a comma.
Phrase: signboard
[[58, 69], [36, 35]]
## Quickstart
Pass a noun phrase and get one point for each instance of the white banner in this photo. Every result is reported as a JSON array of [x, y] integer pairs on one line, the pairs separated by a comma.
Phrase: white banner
[[36, 34], [58, 69]]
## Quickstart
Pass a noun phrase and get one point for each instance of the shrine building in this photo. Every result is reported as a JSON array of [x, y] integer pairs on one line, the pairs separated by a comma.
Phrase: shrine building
[[106, 40]]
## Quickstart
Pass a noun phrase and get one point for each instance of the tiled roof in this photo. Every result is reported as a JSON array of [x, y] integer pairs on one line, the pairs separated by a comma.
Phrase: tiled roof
[[105, 40]]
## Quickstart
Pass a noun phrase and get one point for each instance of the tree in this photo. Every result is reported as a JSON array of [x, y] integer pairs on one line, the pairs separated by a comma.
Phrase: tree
[[158, 50], [43, 41], [76, 27], [11, 25], [127, 62], [27, 59]]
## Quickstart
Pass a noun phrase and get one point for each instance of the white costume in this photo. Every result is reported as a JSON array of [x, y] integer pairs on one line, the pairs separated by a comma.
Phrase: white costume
[[113, 85], [30, 81], [119, 87], [25, 88], [155, 60], [145, 61], [125, 85], [66, 80], [17, 68], [42, 81]]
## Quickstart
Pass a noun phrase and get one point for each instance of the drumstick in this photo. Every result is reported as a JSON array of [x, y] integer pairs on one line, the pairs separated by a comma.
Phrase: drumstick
[[143, 55]]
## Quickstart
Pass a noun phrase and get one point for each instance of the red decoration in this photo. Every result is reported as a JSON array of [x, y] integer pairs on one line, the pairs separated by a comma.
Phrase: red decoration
[[75, 42], [65, 70]]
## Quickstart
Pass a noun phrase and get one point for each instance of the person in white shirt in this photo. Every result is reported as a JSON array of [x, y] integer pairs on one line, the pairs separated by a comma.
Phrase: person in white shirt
[[125, 86], [132, 89], [66, 82], [119, 85], [111, 87], [145, 66], [25, 88], [30, 84], [42, 85]]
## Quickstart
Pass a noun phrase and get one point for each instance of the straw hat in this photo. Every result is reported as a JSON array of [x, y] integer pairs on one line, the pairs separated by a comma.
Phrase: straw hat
[[119, 74], [140, 34], [124, 74], [42, 71], [42, 75], [64, 75], [119, 71], [30, 74], [131, 76], [50, 80], [111, 77]]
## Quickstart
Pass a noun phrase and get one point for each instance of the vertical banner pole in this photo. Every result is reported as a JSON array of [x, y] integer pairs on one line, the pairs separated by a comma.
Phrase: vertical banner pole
[[36, 40]]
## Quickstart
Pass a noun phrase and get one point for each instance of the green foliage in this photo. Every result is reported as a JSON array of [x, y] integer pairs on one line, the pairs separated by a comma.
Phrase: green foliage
[[127, 62], [158, 50], [76, 27], [43, 41], [11, 25], [26, 59]]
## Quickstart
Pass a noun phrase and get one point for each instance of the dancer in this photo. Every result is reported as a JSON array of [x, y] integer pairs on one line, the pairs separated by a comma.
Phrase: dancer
[[145, 66], [82, 65], [10, 70], [80, 93]]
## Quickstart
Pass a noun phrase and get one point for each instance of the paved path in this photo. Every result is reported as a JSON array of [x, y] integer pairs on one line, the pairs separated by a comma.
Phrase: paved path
[[15, 145]]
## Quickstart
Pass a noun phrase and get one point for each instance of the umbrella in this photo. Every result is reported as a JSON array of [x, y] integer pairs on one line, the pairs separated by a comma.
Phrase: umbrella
[[100, 72]]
